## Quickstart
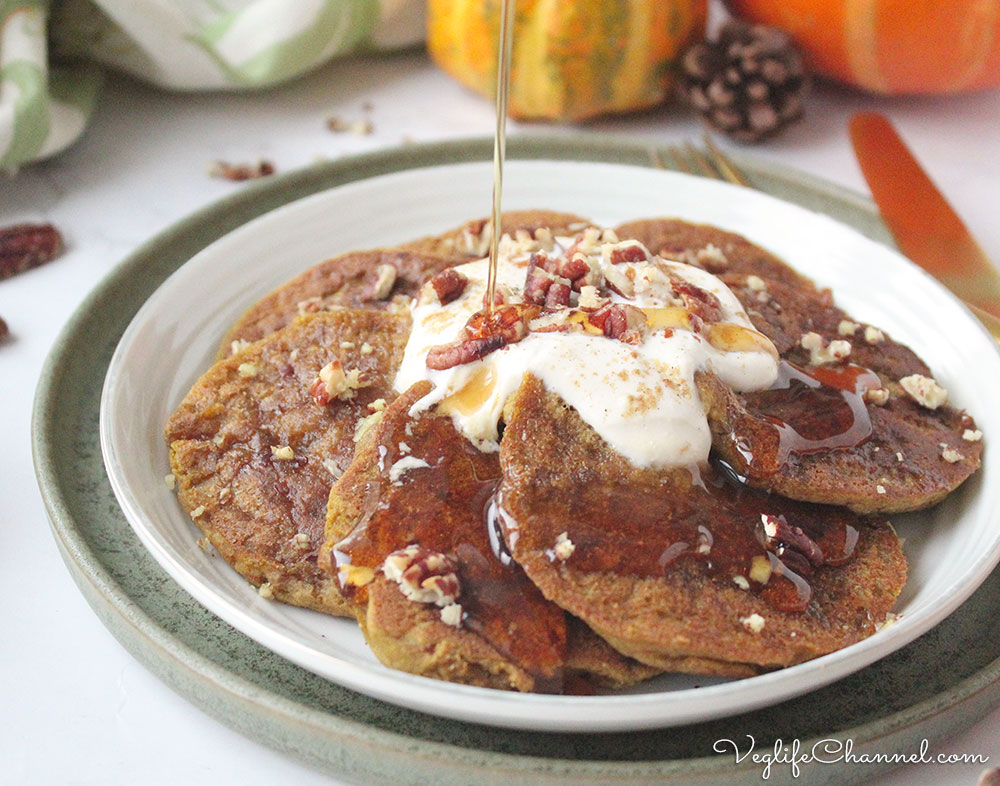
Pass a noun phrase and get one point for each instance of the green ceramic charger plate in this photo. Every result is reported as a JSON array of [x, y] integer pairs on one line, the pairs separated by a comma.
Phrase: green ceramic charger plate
[[930, 689]]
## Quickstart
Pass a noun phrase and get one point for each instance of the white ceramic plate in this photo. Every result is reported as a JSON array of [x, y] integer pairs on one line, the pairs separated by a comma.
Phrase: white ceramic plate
[[172, 340]]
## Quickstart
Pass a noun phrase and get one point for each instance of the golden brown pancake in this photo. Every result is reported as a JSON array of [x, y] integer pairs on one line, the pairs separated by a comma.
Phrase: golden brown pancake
[[903, 455], [379, 279], [359, 279], [709, 247], [509, 636], [253, 453], [469, 241], [896, 464], [664, 569]]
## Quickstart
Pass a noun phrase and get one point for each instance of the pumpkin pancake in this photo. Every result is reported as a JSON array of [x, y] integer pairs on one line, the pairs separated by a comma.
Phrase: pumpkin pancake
[[416, 493], [360, 279], [710, 248], [254, 455], [891, 457], [817, 435], [665, 565], [383, 278], [471, 240]]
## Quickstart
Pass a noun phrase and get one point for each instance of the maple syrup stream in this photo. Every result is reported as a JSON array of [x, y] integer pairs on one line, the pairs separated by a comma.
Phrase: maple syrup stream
[[500, 143]]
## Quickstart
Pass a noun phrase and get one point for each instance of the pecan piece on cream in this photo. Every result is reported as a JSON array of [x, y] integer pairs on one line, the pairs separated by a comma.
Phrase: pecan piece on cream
[[449, 285], [424, 576], [697, 300], [628, 251], [620, 321], [483, 333]]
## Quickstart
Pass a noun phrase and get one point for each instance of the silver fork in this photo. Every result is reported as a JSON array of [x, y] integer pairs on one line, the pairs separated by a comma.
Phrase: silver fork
[[711, 162]]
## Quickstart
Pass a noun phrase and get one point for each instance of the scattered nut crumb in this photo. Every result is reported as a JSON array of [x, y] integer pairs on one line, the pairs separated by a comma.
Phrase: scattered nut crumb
[[367, 349], [377, 405], [891, 618], [760, 569], [331, 466], [309, 306], [284, 453], [404, 448], [363, 424], [880, 489], [385, 280], [951, 455], [347, 345], [970, 435], [820, 353], [247, 370], [239, 172], [873, 335], [237, 346], [741, 582], [877, 396], [205, 545], [301, 540], [198, 511], [358, 127], [169, 480], [754, 623], [564, 547], [293, 356], [711, 258], [847, 328], [756, 283], [899, 455], [265, 591], [924, 390], [452, 615]]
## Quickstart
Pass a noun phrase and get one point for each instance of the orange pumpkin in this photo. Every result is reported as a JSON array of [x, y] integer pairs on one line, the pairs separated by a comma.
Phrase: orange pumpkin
[[572, 59], [891, 46]]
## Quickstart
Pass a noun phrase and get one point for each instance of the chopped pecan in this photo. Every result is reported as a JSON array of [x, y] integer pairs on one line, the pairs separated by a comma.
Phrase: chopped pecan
[[790, 544], [463, 351], [575, 268], [24, 246], [423, 575], [449, 285], [558, 293], [484, 333], [620, 321], [238, 172], [538, 279], [381, 287], [697, 300], [618, 282], [629, 251]]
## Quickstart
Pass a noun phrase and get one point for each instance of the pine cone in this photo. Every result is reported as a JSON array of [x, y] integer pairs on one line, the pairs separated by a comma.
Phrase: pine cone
[[748, 83]]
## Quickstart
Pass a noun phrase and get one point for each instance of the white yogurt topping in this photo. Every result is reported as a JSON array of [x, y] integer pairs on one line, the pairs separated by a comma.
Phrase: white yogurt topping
[[640, 398]]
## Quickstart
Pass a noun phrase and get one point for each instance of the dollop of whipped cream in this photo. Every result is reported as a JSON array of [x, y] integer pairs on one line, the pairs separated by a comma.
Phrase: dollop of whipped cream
[[617, 332]]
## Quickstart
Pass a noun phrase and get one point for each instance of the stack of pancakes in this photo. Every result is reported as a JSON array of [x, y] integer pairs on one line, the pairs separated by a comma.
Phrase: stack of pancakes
[[573, 568]]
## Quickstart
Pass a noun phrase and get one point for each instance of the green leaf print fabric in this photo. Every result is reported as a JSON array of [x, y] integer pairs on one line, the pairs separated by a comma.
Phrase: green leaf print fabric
[[52, 55]]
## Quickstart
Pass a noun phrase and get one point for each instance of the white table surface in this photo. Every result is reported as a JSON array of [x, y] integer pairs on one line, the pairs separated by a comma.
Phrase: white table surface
[[77, 709]]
